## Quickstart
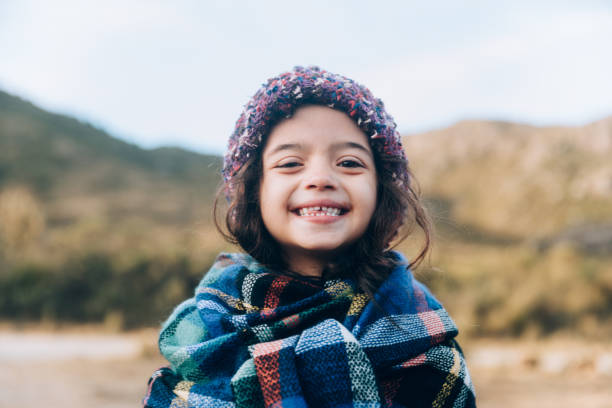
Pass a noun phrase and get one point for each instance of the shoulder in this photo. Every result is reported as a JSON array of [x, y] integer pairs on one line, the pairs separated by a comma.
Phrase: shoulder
[[225, 259], [229, 266], [402, 286]]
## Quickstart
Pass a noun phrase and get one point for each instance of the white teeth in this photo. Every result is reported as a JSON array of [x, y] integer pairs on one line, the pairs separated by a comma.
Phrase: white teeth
[[319, 211]]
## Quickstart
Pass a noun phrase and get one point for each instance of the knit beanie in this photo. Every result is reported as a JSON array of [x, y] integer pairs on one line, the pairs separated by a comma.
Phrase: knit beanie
[[282, 95]]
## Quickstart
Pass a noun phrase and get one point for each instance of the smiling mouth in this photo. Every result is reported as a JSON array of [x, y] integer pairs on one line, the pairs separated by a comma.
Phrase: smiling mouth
[[320, 211]]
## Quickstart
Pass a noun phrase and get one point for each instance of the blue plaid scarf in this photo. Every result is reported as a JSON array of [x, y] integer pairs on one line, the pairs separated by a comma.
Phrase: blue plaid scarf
[[253, 338]]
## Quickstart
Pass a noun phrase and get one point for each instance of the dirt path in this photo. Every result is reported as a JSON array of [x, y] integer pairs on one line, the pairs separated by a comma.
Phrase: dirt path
[[112, 371]]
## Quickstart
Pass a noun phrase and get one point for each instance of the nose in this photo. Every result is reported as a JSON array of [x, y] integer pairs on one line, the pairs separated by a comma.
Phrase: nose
[[320, 177]]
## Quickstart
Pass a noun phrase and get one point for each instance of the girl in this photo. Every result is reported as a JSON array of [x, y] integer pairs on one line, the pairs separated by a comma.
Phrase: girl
[[318, 312]]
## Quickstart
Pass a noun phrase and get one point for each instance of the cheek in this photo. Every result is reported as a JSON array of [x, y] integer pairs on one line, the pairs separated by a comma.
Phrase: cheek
[[370, 194], [271, 199], [266, 194], [264, 205]]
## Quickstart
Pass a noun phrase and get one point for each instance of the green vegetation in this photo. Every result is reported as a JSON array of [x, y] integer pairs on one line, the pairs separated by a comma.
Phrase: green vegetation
[[93, 229], [92, 288], [518, 290]]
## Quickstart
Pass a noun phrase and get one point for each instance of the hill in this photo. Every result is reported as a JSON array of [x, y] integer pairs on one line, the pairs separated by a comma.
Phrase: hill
[[81, 175], [492, 181], [94, 229], [513, 181]]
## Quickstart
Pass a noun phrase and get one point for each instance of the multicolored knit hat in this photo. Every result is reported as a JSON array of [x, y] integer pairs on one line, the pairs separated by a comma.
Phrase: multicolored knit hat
[[282, 95]]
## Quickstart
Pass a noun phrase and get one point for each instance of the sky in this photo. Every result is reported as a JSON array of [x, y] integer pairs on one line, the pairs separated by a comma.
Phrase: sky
[[179, 72]]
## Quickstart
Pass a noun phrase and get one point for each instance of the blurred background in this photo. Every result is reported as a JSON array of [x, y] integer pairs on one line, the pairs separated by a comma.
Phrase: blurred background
[[114, 117]]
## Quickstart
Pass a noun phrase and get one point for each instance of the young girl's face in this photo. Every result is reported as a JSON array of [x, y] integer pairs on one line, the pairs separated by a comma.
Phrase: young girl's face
[[319, 186]]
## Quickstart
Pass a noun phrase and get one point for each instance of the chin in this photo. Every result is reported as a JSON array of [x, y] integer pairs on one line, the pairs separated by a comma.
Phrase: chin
[[322, 249]]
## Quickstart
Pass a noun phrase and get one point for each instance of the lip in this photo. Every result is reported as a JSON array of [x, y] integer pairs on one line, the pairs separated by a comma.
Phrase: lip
[[321, 203], [320, 219]]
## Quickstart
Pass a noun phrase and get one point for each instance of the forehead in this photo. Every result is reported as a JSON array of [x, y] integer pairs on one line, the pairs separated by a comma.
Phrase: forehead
[[315, 125]]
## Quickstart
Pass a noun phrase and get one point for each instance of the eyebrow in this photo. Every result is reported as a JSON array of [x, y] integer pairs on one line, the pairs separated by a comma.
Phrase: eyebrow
[[335, 146], [352, 145], [287, 146]]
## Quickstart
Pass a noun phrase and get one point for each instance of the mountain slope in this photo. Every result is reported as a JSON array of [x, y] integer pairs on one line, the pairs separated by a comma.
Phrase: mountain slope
[[518, 180], [80, 171], [494, 181]]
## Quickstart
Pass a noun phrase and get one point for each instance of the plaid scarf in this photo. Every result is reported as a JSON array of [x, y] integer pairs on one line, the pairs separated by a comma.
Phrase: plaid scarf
[[253, 338]]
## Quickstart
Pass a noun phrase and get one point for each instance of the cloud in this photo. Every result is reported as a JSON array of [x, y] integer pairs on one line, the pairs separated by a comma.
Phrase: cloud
[[546, 70], [166, 72]]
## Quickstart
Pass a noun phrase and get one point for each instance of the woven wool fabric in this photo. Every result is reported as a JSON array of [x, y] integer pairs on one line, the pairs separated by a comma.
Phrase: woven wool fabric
[[254, 338]]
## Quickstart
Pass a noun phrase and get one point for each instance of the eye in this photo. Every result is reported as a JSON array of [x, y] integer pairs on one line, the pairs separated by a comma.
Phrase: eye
[[350, 163], [288, 165]]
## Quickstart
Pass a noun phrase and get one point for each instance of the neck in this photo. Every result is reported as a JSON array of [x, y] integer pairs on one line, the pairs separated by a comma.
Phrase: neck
[[306, 264]]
